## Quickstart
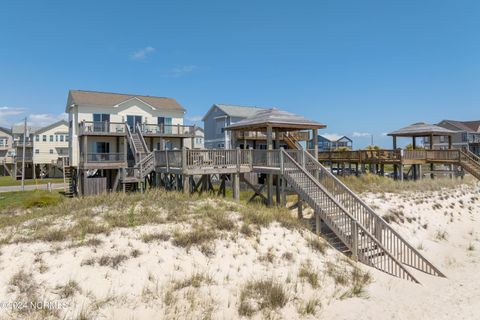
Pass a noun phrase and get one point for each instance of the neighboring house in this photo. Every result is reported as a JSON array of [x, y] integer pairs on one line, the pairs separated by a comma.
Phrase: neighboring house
[[220, 116], [99, 126], [198, 141], [50, 144], [17, 150], [325, 144], [467, 136], [6, 145]]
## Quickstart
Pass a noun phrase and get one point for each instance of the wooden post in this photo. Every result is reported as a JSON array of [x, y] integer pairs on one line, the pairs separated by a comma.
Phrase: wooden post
[[184, 160], [401, 171], [354, 240], [315, 143], [269, 176], [236, 186], [282, 191], [315, 151], [186, 184], [432, 176], [395, 167], [414, 144], [318, 224], [300, 207]]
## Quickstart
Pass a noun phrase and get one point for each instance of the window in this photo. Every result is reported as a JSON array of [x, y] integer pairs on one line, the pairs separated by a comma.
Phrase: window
[[44, 138], [464, 137], [37, 138], [2, 142], [99, 120], [102, 147], [61, 138], [37, 151], [51, 138], [56, 137], [51, 151], [442, 139], [67, 137], [101, 117]]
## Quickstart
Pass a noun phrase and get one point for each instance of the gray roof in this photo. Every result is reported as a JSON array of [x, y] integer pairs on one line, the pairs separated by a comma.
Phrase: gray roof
[[19, 129], [235, 111], [6, 130], [421, 129], [276, 119], [469, 126]]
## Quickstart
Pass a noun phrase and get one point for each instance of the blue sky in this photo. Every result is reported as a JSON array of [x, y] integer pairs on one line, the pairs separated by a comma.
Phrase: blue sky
[[361, 67]]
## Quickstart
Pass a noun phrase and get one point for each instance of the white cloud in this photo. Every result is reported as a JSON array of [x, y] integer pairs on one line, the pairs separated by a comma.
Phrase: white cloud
[[44, 119], [332, 136], [181, 71], [6, 113], [142, 54], [361, 134]]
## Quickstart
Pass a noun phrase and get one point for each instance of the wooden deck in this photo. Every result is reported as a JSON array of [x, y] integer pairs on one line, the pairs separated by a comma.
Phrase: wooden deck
[[398, 156]]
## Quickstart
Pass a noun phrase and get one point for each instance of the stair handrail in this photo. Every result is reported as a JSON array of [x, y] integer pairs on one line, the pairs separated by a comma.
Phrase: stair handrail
[[293, 140], [343, 210], [372, 216], [130, 140], [142, 139], [470, 155]]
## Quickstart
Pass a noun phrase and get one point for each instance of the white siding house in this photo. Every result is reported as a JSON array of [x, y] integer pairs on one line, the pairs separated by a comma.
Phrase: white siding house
[[51, 143]]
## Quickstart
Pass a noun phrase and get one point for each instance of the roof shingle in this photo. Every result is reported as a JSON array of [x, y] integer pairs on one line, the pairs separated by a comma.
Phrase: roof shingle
[[109, 99]]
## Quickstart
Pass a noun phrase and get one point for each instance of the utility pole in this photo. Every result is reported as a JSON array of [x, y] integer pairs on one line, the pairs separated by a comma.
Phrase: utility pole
[[23, 153], [372, 140]]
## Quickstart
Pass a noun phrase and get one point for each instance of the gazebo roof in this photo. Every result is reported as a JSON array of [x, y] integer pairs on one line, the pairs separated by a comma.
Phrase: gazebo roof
[[421, 129], [276, 119]]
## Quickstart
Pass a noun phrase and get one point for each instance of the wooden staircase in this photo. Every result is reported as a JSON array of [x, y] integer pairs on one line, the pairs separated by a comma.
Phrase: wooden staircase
[[366, 235], [292, 141], [68, 180], [470, 163], [144, 159]]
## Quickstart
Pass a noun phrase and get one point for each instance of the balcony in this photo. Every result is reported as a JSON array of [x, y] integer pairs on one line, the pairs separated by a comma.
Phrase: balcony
[[99, 128], [150, 130], [17, 144], [167, 130], [102, 160]]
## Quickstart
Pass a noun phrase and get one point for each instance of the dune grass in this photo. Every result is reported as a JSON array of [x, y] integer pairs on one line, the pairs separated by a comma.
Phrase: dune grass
[[29, 199], [375, 183], [209, 217]]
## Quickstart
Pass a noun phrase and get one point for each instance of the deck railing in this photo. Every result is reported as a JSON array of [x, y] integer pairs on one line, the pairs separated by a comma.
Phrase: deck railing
[[259, 135], [103, 157], [372, 222], [102, 127], [161, 129]]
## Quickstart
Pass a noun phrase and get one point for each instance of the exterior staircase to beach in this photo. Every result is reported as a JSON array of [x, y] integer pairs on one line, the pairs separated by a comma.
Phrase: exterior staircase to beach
[[470, 163], [144, 158], [367, 237]]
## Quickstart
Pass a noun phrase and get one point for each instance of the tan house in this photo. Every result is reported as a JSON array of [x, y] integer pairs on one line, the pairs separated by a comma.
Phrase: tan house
[[112, 132], [6, 149], [49, 146]]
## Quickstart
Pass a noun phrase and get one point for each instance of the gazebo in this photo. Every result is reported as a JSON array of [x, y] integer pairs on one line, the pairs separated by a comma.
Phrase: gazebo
[[278, 121], [422, 130]]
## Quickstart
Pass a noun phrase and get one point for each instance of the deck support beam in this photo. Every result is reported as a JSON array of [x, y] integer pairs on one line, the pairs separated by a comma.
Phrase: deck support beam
[[299, 207], [318, 224], [236, 186], [269, 175]]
